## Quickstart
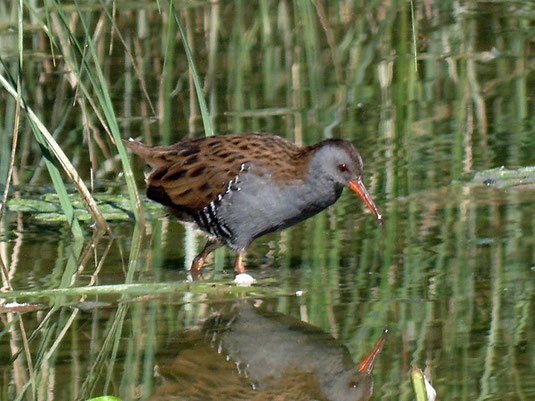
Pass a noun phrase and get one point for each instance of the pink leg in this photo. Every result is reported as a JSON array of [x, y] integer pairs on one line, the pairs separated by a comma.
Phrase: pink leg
[[239, 264], [198, 262]]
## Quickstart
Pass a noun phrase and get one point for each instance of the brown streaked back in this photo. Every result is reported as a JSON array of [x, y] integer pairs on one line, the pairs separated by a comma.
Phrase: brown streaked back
[[192, 173]]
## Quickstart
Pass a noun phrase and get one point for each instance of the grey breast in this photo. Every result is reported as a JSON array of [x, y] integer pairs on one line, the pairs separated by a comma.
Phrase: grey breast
[[269, 348], [258, 205]]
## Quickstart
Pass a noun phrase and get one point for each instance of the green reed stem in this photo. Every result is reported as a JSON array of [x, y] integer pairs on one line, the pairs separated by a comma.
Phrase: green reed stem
[[205, 114], [413, 24], [99, 85], [206, 120], [49, 146], [167, 80]]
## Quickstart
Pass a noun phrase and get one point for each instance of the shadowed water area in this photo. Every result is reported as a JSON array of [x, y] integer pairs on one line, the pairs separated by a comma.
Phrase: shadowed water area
[[439, 102]]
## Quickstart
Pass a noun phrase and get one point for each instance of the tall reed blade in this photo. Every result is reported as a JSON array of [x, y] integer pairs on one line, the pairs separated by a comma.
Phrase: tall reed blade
[[106, 104], [49, 147], [205, 114]]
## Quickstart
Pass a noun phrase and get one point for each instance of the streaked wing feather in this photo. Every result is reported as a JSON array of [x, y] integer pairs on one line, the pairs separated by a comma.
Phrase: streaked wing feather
[[192, 173]]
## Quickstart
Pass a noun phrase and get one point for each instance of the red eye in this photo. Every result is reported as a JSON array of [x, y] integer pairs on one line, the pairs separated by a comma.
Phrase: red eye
[[342, 168]]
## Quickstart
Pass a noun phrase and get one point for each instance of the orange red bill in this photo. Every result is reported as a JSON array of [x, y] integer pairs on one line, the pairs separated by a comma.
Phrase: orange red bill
[[366, 366], [358, 187]]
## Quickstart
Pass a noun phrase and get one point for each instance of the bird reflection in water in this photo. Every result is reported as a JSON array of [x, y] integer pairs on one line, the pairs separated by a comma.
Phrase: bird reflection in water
[[248, 353]]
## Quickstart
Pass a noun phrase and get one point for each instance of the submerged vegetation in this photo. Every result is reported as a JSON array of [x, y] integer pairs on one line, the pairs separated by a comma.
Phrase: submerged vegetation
[[435, 94]]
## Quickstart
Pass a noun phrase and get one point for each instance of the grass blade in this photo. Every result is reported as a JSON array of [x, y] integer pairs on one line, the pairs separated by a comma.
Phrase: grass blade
[[99, 85], [206, 120], [49, 147]]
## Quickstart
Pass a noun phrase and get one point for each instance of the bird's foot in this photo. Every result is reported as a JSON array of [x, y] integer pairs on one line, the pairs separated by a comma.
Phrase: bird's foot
[[195, 270], [194, 275], [244, 280]]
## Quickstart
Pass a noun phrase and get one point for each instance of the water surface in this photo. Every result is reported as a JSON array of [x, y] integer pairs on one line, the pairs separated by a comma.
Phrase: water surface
[[451, 273]]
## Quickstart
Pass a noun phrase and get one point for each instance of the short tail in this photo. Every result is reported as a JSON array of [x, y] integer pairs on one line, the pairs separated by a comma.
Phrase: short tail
[[151, 156]]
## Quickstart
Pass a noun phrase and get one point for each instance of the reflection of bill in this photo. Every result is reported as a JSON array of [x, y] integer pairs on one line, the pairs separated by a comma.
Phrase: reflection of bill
[[247, 353]]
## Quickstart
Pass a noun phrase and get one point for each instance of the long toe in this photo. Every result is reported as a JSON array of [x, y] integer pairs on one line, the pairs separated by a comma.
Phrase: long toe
[[196, 268]]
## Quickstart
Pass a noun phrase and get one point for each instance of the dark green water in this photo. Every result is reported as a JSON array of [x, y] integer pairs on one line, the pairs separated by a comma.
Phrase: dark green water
[[451, 273]]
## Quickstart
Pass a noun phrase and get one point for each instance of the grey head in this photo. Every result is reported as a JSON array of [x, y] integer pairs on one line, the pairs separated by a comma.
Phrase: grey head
[[337, 162], [355, 385], [349, 386]]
